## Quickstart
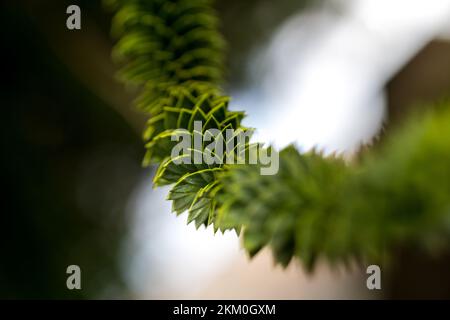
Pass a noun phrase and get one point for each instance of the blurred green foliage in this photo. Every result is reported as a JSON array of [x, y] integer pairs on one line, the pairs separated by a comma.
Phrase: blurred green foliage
[[321, 207]]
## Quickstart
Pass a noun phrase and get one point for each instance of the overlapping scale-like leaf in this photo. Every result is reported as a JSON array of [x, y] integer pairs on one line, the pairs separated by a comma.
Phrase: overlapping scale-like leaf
[[171, 47], [196, 183]]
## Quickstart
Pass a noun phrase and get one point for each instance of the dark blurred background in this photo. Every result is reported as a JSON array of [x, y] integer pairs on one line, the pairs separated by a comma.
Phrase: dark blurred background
[[69, 161]]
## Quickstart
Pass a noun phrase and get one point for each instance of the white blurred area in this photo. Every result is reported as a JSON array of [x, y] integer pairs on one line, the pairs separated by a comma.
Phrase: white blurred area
[[165, 257], [318, 82]]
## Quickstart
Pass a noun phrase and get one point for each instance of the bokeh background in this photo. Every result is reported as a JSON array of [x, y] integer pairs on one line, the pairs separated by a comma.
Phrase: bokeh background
[[325, 73]]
